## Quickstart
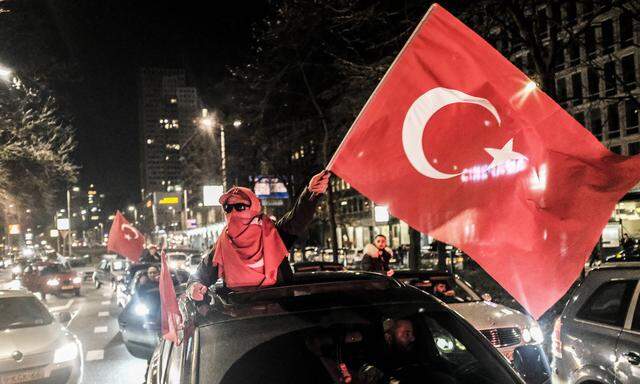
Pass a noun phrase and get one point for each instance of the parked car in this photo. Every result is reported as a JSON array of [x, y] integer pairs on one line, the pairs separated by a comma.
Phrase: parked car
[[34, 347], [139, 321], [597, 337], [51, 278], [314, 266], [123, 290], [504, 327], [327, 328], [109, 271]]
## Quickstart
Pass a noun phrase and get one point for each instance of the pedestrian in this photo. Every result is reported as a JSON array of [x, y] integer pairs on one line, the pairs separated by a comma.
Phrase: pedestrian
[[377, 256], [150, 255], [252, 250]]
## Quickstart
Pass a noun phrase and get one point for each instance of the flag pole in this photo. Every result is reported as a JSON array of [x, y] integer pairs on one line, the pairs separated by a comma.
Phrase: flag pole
[[413, 34]]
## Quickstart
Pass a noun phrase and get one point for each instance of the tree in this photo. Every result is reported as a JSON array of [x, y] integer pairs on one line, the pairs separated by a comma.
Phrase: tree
[[35, 148]]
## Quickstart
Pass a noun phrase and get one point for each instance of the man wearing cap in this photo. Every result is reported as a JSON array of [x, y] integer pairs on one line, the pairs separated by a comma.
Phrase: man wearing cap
[[252, 250]]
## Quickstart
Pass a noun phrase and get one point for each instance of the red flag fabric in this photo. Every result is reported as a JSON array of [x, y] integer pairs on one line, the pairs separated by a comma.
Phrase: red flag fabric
[[170, 313], [125, 239], [462, 145]]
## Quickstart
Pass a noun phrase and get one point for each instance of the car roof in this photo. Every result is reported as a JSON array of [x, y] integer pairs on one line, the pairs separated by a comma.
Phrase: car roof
[[616, 265], [424, 274], [316, 291], [15, 293]]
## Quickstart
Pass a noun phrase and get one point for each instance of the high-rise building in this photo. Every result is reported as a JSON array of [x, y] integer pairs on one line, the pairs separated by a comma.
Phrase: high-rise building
[[168, 109]]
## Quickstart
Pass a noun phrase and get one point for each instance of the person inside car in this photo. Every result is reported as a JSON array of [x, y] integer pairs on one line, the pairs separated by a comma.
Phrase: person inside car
[[251, 250], [442, 292], [150, 255], [149, 281]]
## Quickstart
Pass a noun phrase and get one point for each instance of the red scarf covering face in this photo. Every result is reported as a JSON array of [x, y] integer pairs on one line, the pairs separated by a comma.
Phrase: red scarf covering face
[[249, 250]]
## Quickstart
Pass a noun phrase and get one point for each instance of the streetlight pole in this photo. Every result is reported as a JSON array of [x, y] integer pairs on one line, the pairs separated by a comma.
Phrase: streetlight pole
[[223, 158], [69, 218]]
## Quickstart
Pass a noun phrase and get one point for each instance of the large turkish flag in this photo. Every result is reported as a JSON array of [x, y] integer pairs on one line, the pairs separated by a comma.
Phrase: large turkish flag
[[461, 145], [125, 239]]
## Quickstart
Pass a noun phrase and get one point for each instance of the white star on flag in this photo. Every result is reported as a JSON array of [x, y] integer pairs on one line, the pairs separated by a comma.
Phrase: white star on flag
[[504, 155]]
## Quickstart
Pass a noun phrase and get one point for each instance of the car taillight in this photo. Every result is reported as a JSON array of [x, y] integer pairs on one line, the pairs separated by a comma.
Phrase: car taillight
[[556, 340]]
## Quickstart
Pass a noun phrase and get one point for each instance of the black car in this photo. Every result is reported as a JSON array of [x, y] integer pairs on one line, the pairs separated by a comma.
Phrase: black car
[[327, 328], [316, 266], [139, 321]]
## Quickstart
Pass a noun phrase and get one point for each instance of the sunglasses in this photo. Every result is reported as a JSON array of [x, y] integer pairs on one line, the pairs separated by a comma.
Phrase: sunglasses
[[238, 207]]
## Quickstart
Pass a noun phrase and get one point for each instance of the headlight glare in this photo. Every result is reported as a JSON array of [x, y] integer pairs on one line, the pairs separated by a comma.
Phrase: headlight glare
[[536, 334], [141, 310], [77, 280], [67, 352]]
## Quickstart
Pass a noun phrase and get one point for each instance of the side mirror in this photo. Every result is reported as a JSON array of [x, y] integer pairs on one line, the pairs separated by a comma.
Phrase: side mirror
[[532, 364], [63, 317], [486, 297]]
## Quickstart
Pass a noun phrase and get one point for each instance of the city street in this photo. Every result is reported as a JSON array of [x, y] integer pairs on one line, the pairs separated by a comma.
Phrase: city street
[[94, 321]]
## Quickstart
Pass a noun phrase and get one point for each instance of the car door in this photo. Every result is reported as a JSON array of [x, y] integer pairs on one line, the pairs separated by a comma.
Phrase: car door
[[591, 335], [628, 348]]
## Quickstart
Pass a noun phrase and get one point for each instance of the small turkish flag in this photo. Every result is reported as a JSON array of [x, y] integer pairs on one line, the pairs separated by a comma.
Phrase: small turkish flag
[[170, 313], [125, 239], [462, 145]]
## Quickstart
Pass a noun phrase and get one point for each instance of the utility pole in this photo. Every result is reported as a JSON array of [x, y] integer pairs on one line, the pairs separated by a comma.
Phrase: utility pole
[[69, 218]]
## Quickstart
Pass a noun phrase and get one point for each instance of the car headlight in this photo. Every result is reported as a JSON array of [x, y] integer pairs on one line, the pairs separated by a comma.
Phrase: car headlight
[[141, 310], [53, 282], [536, 334], [77, 280], [16, 269], [67, 352]]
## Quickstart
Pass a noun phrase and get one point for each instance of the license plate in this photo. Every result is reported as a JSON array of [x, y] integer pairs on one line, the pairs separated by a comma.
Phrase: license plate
[[67, 287], [21, 377]]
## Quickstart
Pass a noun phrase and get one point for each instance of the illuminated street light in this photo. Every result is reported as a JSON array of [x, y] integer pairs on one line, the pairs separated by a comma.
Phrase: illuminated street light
[[5, 73], [237, 123]]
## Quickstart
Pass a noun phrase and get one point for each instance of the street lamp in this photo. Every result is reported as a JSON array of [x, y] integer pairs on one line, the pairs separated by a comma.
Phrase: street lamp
[[5, 73], [132, 208]]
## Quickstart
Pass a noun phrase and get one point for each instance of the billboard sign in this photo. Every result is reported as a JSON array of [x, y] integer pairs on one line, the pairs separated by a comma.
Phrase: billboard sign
[[267, 187], [167, 199], [211, 195], [62, 224]]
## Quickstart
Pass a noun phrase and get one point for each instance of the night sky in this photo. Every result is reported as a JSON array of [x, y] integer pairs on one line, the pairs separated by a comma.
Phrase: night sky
[[111, 40]]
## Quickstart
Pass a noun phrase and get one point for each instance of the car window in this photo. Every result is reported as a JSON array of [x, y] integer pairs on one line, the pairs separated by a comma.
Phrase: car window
[[55, 268], [636, 317], [609, 303], [361, 343], [21, 312]]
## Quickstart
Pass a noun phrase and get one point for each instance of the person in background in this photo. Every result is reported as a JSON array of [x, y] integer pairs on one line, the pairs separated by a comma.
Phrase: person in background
[[627, 244], [150, 255], [376, 256], [442, 292]]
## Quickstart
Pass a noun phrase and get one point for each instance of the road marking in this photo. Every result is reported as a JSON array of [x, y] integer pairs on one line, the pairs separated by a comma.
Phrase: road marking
[[62, 307], [103, 314], [73, 316], [97, 354], [100, 330], [108, 302]]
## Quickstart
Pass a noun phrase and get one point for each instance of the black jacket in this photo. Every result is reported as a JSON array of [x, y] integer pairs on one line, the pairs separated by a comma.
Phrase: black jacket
[[289, 227], [147, 257], [376, 264]]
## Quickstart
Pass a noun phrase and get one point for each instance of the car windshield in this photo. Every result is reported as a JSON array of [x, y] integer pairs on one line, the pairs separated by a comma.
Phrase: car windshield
[[177, 256], [399, 342], [22, 312], [445, 288], [55, 268]]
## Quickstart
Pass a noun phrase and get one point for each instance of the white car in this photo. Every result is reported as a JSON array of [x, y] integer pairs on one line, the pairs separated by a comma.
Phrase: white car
[[34, 346], [506, 328]]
